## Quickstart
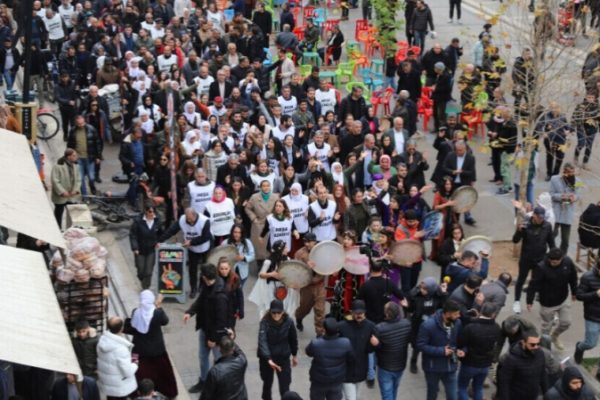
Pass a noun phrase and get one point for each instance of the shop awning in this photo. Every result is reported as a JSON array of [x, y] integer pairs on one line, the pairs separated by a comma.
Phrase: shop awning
[[32, 328], [24, 204]]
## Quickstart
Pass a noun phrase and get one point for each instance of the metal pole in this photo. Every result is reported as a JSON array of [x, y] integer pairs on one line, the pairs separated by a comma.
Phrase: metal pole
[[172, 167], [27, 19]]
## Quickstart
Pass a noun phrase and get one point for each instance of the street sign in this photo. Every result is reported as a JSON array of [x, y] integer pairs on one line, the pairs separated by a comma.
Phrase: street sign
[[171, 264]]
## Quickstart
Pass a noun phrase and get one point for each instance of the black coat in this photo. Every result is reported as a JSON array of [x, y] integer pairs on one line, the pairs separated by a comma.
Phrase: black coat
[[64, 94], [224, 170], [552, 283], [394, 337], [358, 108], [210, 309], [213, 90], [480, 339], [589, 283], [277, 340], [331, 356], [522, 375], [152, 343], [466, 301], [468, 174], [94, 143], [225, 380], [16, 59], [589, 221], [89, 389], [377, 291], [411, 82], [264, 21], [142, 238], [429, 60], [85, 351], [359, 335], [536, 240], [443, 87]]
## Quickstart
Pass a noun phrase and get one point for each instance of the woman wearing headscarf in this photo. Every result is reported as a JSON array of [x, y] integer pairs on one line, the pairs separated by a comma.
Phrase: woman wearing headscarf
[[337, 173], [384, 167], [257, 208], [213, 159], [220, 211], [268, 287], [145, 325], [153, 109], [205, 136], [191, 146], [298, 203], [192, 117]]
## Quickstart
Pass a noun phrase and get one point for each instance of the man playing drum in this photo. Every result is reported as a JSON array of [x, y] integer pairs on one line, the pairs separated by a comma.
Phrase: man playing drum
[[313, 295]]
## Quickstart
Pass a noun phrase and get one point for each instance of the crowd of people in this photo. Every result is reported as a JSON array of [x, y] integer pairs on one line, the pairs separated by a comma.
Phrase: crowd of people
[[242, 148]]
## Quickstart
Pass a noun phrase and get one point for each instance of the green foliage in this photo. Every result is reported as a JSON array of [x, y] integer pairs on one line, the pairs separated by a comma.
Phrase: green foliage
[[388, 22]]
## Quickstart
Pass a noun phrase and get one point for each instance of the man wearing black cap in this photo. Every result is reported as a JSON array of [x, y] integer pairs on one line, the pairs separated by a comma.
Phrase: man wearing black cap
[[277, 342], [552, 279], [537, 238], [313, 295], [331, 355], [361, 333]]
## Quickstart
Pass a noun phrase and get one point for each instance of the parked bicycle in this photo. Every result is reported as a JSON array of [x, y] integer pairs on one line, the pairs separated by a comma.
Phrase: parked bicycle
[[47, 123]]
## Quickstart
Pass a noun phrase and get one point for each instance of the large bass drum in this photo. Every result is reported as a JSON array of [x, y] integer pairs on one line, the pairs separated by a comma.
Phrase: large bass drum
[[356, 263], [477, 244], [328, 257]]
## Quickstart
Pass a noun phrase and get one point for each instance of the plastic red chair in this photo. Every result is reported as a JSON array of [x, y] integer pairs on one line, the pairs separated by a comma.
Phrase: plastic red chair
[[309, 12], [329, 24], [361, 25], [382, 97], [296, 13], [474, 121], [299, 32], [416, 50], [425, 106]]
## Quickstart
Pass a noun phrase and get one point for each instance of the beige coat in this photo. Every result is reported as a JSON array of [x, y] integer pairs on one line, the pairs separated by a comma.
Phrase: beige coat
[[257, 210], [64, 180]]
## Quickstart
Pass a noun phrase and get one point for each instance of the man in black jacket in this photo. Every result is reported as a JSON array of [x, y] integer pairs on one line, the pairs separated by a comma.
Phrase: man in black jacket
[[361, 333], [331, 355], [354, 104], [143, 237], [66, 97], [552, 279], [442, 94], [460, 164], [393, 336], [277, 342], [232, 169], [480, 339], [537, 238], [588, 292], [468, 297], [226, 379], [522, 373], [210, 309]]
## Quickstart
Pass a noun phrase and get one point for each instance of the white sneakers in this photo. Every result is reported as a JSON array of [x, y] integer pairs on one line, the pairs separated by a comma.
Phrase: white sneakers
[[517, 307]]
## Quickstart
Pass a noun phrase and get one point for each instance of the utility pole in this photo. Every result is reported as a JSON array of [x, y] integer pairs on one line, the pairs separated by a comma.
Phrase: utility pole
[[26, 110]]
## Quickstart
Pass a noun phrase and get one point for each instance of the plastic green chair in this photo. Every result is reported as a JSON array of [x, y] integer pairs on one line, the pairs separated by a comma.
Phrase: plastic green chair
[[331, 75], [311, 57], [366, 92], [377, 65], [305, 70], [344, 70]]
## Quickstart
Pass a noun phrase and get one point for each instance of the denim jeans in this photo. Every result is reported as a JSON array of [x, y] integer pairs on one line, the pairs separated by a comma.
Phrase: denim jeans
[[204, 353], [9, 79], [371, 367], [420, 39], [388, 383], [449, 379], [529, 192], [592, 331], [465, 375], [86, 168]]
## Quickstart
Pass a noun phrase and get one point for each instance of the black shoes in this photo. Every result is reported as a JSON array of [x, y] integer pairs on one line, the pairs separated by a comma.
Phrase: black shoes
[[370, 383], [299, 325], [98, 180], [413, 367], [578, 356], [470, 222], [197, 388], [193, 294]]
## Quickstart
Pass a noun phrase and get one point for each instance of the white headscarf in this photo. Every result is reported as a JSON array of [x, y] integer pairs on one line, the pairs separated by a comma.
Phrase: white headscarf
[[297, 187], [190, 116], [338, 177], [143, 314], [187, 143]]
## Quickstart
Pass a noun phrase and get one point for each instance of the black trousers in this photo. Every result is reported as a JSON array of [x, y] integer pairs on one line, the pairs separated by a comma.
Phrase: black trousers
[[524, 267], [320, 391], [66, 116], [266, 374], [565, 234], [439, 114], [496, 158], [59, 210], [455, 4], [554, 157], [194, 259]]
